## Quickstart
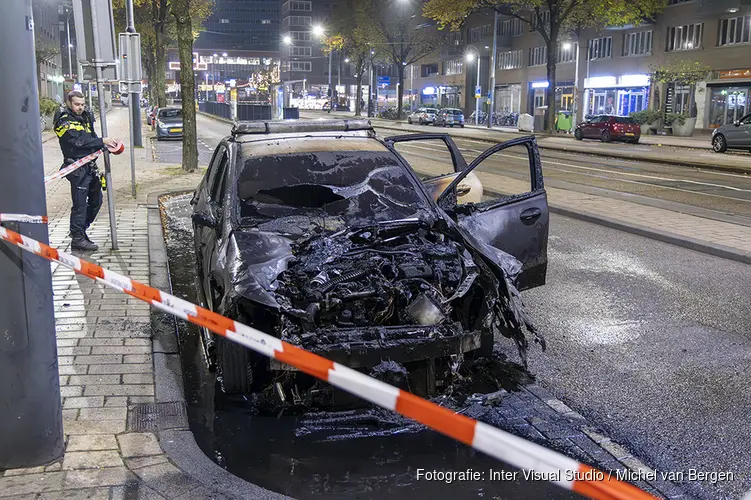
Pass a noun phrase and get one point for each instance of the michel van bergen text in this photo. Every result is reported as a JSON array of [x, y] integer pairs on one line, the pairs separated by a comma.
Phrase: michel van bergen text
[[573, 475]]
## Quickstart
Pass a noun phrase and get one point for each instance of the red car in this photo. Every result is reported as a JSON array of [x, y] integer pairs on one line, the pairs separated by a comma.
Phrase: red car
[[609, 128]]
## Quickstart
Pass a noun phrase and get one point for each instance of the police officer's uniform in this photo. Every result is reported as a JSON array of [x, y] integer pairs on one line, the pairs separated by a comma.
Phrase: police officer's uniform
[[78, 139]]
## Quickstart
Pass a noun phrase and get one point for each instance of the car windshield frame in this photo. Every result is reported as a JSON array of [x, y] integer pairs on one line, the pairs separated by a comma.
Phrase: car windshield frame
[[424, 206], [179, 113]]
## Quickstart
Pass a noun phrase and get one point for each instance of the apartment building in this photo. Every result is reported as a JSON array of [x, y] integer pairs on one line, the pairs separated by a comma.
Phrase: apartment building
[[47, 38], [305, 67], [614, 64]]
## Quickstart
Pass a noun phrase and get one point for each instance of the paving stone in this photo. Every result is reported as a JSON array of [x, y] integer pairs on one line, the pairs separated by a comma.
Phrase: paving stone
[[119, 390], [109, 476], [95, 442], [121, 350], [138, 444], [71, 391], [122, 368], [99, 360], [101, 342], [86, 494], [103, 413], [31, 483], [134, 491], [134, 342], [84, 402], [167, 479], [138, 378], [140, 399], [97, 379], [138, 462], [73, 369], [115, 401], [23, 471], [74, 427], [137, 358], [91, 459]]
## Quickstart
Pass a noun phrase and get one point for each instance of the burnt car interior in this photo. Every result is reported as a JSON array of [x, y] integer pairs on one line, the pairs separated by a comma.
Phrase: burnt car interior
[[321, 234]]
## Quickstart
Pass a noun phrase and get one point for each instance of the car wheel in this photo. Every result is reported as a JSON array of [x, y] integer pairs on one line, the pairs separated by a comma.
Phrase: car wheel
[[234, 366], [635, 141], [462, 125], [409, 120], [605, 136], [578, 134], [719, 144]]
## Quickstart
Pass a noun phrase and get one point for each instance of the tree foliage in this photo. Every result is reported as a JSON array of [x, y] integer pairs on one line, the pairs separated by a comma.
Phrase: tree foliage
[[682, 72], [564, 16]]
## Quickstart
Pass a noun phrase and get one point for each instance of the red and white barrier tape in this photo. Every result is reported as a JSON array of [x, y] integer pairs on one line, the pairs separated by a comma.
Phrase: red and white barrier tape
[[33, 219], [73, 166], [557, 468]]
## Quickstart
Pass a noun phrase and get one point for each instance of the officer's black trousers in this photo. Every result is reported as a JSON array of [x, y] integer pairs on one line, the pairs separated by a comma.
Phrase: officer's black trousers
[[86, 192]]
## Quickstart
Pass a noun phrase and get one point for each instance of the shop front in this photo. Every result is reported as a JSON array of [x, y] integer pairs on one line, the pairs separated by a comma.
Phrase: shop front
[[729, 97], [508, 98], [537, 96], [610, 95]]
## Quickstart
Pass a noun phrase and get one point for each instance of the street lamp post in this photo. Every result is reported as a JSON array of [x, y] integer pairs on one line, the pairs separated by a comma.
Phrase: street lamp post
[[70, 45], [470, 57]]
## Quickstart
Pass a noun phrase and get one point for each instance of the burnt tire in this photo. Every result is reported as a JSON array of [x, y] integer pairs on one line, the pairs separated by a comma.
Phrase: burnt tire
[[233, 362], [719, 144], [578, 135], [605, 136]]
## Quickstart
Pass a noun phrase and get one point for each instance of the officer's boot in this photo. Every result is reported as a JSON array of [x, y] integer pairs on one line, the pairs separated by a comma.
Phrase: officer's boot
[[83, 244]]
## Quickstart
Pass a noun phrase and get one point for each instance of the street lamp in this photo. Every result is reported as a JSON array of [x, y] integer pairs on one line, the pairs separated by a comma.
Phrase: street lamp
[[319, 31], [287, 40], [471, 57]]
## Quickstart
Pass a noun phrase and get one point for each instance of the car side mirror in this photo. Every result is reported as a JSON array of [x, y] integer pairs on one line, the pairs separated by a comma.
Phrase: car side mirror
[[205, 218]]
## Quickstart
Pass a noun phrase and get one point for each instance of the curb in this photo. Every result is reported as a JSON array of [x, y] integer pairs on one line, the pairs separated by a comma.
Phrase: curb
[[666, 237], [178, 442]]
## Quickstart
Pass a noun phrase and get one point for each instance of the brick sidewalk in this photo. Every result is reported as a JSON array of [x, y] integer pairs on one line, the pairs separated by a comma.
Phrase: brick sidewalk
[[104, 350]]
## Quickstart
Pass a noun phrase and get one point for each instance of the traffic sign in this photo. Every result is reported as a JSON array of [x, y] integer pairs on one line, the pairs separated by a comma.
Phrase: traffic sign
[[384, 80], [478, 92]]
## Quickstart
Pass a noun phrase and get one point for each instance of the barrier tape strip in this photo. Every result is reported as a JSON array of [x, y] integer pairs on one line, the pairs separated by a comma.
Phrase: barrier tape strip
[[557, 468], [33, 219], [73, 166]]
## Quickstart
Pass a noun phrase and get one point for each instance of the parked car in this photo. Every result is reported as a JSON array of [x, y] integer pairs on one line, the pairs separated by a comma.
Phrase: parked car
[[337, 106], [609, 128], [450, 117], [422, 116], [169, 124], [150, 114], [733, 135], [322, 235]]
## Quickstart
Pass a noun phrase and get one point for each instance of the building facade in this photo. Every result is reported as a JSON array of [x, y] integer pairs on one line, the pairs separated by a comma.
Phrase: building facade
[[47, 28], [615, 65]]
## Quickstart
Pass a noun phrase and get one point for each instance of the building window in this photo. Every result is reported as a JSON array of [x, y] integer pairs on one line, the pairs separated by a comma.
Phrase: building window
[[601, 48], [734, 30], [511, 60], [479, 32], [299, 20], [452, 67], [566, 55], [455, 38], [637, 44], [265, 21], [300, 66], [538, 56], [300, 51], [686, 37], [224, 21], [304, 6], [545, 20], [427, 70], [300, 36], [510, 27]]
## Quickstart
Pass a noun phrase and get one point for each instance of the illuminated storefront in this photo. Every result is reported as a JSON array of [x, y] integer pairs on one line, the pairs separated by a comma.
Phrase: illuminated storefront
[[610, 95], [729, 97]]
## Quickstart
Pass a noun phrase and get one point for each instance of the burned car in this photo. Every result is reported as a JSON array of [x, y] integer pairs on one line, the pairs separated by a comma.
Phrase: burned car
[[321, 234]]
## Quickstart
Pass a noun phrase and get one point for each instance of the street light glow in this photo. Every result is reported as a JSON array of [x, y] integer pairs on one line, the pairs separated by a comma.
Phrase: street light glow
[[224, 54], [318, 30], [470, 57], [346, 60], [70, 45], [287, 40], [567, 46]]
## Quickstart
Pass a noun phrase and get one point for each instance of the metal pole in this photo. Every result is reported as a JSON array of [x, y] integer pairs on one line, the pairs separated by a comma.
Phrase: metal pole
[[331, 91], [103, 124], [31, 428], [477, 99], [492, 71], [575, 106], [370, 88], [135, 96], [70, 57], [412, 88]]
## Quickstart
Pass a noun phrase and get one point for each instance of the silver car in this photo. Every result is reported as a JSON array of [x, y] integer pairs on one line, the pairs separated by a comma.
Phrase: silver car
[[422, 116], [733, 135]]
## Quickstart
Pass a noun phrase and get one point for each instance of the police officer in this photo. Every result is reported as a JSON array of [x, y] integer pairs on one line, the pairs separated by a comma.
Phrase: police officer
[[74, 127]]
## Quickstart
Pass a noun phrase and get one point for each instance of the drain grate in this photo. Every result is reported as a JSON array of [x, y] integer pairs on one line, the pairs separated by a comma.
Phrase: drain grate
[[157, 416]]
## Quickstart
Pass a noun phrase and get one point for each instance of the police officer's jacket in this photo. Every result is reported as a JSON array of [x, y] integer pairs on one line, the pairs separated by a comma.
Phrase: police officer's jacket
[[77, 135]]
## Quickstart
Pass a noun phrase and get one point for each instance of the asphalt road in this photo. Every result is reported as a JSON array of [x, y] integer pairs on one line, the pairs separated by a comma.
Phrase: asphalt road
[[647, 340]]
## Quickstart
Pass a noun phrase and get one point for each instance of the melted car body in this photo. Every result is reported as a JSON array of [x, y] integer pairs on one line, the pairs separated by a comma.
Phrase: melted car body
[[322, 235]]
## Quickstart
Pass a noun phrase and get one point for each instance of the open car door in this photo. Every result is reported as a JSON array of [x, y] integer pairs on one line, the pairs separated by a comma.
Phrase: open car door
[[513, 214], [444, 155]]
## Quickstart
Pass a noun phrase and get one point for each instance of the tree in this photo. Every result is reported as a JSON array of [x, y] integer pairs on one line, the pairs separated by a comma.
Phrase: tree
[[551, 19], [45, 52], [349, 33], [681, 72], [181, 10], [398, 32]]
